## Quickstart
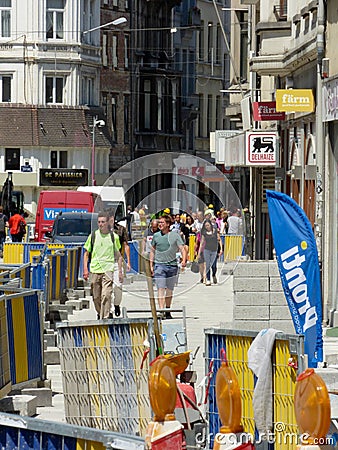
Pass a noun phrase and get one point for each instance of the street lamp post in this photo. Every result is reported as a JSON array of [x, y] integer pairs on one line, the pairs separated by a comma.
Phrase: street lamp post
[[115, 22], [96, 123]]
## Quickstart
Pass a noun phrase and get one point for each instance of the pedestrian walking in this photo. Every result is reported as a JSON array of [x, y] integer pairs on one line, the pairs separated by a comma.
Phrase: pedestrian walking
[[212, 245], [102, 249], [3, 225], [148, 237], [122, 233], [163, 261], [235, 223], [17, 227], [199, 256]]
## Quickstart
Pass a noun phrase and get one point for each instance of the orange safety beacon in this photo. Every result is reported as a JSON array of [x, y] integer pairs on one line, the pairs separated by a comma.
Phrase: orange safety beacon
[[228, 398], [312, 407]]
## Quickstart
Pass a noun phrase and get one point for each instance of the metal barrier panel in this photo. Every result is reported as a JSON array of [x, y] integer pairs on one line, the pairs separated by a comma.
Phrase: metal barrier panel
[[13, 253], [24, 336], [34, 434], [17, 271], [5, 376], [192, 242], [134, 256], [236, 344], [57, 275], [104, 385], [40, 280], [32, 250], [233, 247], [72, 267]]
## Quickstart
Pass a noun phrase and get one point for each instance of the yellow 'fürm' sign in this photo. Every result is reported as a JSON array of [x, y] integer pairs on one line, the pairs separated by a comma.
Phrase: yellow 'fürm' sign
[[294, 100]]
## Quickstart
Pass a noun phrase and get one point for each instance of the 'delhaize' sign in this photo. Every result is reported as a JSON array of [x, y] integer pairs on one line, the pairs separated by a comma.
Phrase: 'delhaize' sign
[[261, 148]]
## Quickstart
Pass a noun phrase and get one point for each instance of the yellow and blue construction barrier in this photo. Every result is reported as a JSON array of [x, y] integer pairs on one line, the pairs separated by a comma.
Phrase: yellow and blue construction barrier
[[24, 337], [236, 344], [30, 433]]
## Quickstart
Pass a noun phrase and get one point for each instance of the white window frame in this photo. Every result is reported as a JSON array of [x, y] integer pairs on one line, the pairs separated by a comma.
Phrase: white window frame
[[4, 10], [54, 89], [114, 51], [55, 12], [1, 88], [88, 90], [105, 49], [126, 51]]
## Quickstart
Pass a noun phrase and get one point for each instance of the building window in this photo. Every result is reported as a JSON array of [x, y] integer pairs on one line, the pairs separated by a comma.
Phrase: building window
[[159, 105], [58, 159], [185, 72], [218, 113], [201, 115], [54, 19], [12, 159], [115, 59], [147, 104], [114, 118], [5, 11], [126, 50], [105, 49], [104, 103], [87, 91], [200, 36], [210, 41], [174, 101], [126, 119], [209, 115], [243, 20], [54, 89], [5, 82], [219, 38]]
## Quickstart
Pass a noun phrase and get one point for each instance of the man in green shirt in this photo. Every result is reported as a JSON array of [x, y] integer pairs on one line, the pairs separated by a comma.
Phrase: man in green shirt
[[103, 248], [163, 262]]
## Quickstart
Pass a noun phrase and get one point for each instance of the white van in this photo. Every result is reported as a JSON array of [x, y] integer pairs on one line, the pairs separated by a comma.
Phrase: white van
[[113, 197]]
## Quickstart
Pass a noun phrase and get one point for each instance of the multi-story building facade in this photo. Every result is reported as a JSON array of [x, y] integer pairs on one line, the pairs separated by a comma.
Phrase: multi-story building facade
[[296, 51], [50, 75], [115, 89]]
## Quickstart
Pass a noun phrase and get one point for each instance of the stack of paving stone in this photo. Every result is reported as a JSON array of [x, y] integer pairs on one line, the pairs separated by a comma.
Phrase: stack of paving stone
[[259, 300]]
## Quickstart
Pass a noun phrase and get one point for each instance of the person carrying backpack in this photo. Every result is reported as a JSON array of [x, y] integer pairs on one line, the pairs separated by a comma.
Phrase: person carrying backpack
[[102, 249], [3, 225], [17, 227]]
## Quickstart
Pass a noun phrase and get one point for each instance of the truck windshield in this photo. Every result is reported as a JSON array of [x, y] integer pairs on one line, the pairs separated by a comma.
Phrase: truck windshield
[[118, 207], [68, 227]]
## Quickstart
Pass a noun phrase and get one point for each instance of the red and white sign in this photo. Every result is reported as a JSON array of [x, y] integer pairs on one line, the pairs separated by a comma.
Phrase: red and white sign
[[197, 171], [183, 171], [261, 148], [266, 111]]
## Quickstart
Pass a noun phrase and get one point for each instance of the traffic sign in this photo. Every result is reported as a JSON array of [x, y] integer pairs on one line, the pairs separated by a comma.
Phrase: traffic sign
[[197, 171]]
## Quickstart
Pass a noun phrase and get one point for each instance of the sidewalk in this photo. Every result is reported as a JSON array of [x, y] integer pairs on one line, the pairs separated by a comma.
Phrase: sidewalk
[[206, 307]]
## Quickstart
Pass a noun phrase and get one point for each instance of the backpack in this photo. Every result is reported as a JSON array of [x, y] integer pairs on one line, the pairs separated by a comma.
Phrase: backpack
[[22, 227], [92, 242], [2, 224]]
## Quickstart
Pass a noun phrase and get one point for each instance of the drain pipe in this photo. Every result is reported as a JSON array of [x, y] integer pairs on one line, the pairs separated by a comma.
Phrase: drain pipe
[[320, 158]]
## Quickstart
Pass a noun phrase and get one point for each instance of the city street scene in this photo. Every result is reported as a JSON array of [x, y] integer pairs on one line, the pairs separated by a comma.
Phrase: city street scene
[[168, 225]]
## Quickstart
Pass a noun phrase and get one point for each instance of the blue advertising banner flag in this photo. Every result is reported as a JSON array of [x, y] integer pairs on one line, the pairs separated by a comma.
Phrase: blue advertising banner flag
[[298, 265]]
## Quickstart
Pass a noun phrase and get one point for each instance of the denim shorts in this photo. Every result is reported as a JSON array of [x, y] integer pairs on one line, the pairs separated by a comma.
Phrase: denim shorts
[[165, 276]]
